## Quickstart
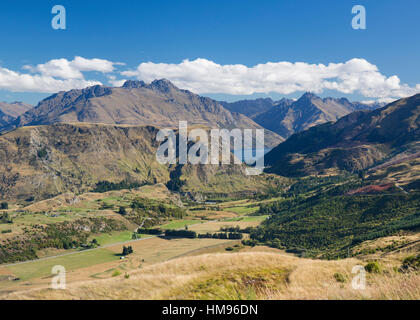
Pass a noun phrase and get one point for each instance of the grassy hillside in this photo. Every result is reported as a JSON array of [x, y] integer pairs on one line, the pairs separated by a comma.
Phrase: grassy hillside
[[256, 274], [326, 216], [41, 162], [44, 161], [327, 226]]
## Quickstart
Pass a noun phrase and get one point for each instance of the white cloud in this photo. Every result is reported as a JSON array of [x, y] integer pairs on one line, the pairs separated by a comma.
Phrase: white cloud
[[55, 75], [18, 82], [113, 81], [65, 69], [368, 101], [356, 76], [386, 100]]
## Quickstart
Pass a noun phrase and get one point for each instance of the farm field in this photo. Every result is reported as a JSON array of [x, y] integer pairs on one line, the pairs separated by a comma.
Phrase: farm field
[[178, 224], [242, 222], [112, 237], [242, 210], [102, 262], [42, 268], [250, 219]]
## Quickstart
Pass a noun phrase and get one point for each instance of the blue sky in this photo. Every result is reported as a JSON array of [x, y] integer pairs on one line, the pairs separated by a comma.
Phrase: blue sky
[[224, 33]]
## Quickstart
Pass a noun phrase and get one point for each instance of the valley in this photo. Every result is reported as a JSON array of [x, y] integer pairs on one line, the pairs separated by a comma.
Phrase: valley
[[285, 266], [103, 260], [209, 157], [86, 192]]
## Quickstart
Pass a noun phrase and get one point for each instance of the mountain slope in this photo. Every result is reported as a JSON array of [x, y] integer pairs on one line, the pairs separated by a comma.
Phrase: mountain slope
[[5, 119], [355, 142], [10, 111], [308, 111], [43, 161], [158, 104], [252, 108], [14, 109]]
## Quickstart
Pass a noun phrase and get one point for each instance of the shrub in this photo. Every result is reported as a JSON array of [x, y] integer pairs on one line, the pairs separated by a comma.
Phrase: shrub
[[411, 263], [122, 211], [42, 153], [222, 235], [116, 273], [5, 218], [373, 267], [156, 231], [230, 229], [181, 234], [127, 250], [235, 236], [250, 242], [175, 184], [229, 249], [105, 186], [4, 206], [339, 277]]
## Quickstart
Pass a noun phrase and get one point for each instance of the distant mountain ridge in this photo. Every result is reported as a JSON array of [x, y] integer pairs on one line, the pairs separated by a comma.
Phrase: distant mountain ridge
[[5, 119], [159, 104], [10, 111], [14, 109], [286, 117], [253, 108], [355, 142]]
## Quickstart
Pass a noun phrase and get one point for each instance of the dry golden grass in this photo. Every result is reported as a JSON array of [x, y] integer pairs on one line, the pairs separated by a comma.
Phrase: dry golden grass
[[155, 192], [256, 274], [393, 249], [212, 215], [215, 226]]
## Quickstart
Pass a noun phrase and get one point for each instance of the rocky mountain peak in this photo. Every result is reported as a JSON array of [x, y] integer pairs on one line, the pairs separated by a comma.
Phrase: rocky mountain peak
[[96, 91], [308, 96], [132, 84], [163, 85]]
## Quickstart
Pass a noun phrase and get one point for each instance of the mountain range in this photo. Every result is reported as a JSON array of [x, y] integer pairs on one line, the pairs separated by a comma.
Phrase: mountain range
[[14, 109], [10, 111], [251, 107], [159, 104], [162, 104], [355, 142], [287, 116], [73, 140], [58, 145]]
